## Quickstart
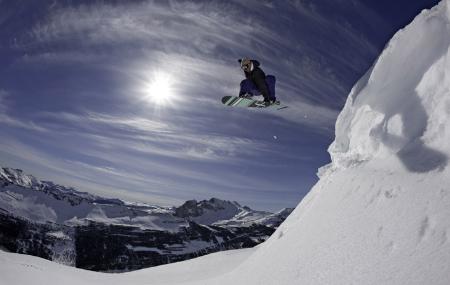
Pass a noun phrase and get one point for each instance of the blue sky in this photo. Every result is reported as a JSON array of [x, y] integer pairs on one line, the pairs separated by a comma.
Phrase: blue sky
[[78, 103]]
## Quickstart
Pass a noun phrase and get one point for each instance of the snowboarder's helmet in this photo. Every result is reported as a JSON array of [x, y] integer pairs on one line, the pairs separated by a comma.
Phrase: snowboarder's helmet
[[246, 65]]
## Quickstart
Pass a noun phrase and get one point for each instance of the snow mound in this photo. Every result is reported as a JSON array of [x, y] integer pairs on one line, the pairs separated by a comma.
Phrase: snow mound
[[402, 105]]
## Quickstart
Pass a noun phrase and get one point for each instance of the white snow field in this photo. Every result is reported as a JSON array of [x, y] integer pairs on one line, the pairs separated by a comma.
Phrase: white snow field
[[380, 213]]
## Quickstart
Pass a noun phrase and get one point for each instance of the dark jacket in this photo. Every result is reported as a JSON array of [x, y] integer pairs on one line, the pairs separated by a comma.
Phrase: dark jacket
[[258, 77]]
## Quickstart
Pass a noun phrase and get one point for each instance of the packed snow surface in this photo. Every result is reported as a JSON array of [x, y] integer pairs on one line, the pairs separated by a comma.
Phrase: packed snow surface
[[380, 211]]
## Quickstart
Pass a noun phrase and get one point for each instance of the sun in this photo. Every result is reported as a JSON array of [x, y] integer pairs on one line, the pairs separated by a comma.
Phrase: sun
[[159, 89]]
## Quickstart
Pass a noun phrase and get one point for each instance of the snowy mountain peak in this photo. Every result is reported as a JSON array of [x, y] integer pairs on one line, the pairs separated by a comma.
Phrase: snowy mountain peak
[[208, 211], [284, 212], [17, 176], [226, 213]]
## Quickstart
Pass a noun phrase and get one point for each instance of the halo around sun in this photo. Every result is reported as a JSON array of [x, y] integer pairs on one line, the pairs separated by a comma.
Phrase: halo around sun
[[159, 89]]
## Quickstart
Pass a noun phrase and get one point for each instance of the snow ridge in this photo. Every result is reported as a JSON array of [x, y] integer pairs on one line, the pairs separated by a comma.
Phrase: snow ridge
[[395, 108]]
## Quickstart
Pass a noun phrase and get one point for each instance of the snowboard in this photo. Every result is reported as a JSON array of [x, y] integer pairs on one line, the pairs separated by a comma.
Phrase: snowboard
[[235, 101]]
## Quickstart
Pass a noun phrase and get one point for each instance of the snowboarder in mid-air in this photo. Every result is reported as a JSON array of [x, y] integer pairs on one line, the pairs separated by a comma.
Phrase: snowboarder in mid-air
[[256, 82]]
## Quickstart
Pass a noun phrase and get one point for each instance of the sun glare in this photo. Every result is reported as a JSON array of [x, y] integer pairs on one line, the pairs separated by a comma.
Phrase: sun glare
[[159, 89]]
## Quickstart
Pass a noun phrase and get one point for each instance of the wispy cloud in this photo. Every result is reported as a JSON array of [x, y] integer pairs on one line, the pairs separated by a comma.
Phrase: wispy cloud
[[161, 24], [29, 125], [127, 176], [15, 122], [95, 178], [154, 137], [189, 38]]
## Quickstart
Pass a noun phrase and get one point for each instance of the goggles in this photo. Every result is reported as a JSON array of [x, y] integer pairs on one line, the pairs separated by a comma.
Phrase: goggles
[[246, 65]]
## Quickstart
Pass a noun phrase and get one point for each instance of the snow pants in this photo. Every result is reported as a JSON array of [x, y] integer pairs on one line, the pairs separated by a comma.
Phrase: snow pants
[[247, 86]]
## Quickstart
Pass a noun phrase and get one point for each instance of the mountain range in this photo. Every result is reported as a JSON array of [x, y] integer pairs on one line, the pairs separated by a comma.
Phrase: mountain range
[[76, 228]]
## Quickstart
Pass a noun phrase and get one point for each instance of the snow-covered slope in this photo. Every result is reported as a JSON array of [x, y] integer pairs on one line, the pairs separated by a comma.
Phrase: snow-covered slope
[[380, 211], [25, 269]]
